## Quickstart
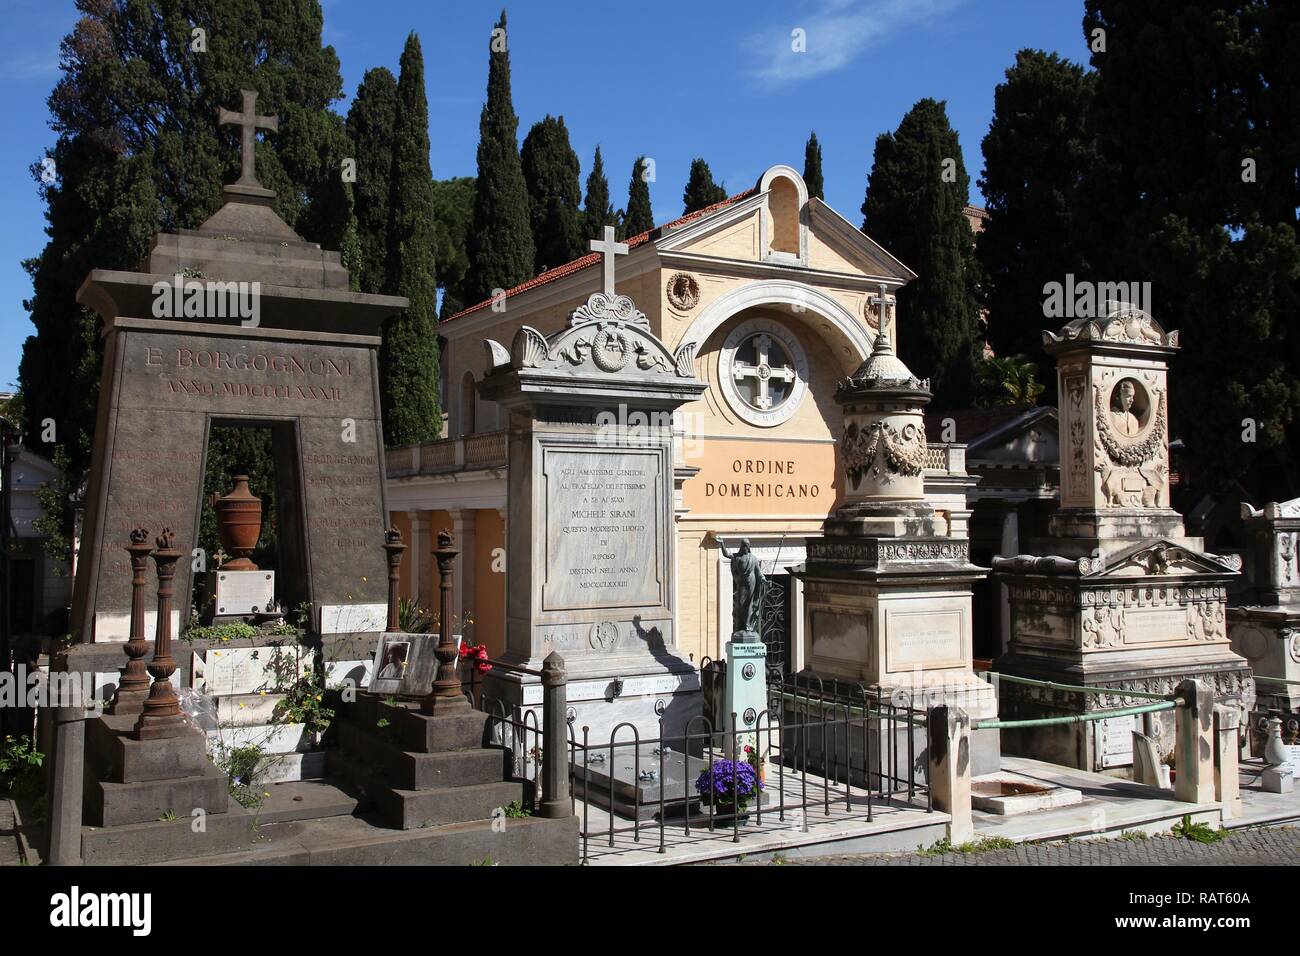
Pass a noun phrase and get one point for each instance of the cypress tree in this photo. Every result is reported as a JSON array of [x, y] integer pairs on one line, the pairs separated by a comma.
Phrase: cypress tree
[[550, 168], [915, 196], [121, 174], [371, 123], [501, 239], [597, 213], [1196, 119], [812, 168], [1035, 155], [408, 357], [453, 209], [639, 217], [701, 190]]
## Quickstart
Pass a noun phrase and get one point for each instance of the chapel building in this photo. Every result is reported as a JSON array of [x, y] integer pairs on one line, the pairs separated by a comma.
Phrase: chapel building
[[781, 296]]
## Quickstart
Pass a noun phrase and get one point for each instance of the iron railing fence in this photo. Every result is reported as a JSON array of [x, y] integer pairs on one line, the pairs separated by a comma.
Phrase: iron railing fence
[[818, 747]]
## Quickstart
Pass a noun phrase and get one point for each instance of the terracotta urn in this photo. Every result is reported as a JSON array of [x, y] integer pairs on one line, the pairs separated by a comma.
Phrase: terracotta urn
[[239, 523]]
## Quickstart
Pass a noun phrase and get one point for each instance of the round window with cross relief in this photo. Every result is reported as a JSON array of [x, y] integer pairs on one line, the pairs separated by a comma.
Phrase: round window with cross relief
[[763, 372]]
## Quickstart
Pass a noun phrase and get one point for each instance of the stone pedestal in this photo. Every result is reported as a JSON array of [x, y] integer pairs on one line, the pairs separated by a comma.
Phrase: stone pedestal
[[1264, 627], [591, 539], [1117, 596], [887, 593], [745, 696]]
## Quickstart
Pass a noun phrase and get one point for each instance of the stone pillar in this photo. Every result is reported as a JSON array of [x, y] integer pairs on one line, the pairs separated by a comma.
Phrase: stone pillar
[[65, 783], [949, 756], [463, 595], [445, 695], [1227, 750], [419, 545], [394, 548], [161, 716], [555, 800], [1009, 547], [1194, 743], [133, 688]]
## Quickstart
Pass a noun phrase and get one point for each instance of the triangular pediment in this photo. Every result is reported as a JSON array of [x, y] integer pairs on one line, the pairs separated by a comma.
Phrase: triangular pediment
[[1158, 558], [830, 244], [1032, 438]]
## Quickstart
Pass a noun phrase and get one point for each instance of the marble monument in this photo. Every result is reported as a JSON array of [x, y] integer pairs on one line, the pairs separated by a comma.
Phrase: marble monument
[[1117, 595], [590, 559]]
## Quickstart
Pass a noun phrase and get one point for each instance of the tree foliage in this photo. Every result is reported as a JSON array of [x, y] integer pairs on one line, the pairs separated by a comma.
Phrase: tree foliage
[[701, 191], [812, 168], [408, 357], [501, 252], [1196, 121], [139, 150], [597, 213], [1036, 153], [638, 217], [372, 122], [916, 195], [550, 168]]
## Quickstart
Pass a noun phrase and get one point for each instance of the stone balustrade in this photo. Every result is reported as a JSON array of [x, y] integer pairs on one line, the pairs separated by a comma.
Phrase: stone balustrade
[[465, 453]]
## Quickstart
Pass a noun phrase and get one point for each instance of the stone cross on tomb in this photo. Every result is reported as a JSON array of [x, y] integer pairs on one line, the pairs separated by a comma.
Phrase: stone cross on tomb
[[609, 248], [249, 123], [882, 299], [763, 371]]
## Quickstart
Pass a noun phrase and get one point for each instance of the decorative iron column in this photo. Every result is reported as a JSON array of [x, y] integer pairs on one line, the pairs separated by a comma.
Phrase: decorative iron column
[[555, 801], [133, 687], [394, 546], [162, 710], [445, 693]]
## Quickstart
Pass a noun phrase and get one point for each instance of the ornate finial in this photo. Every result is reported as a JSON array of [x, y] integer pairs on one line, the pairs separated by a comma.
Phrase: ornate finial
[[392, 536], [445, 539], [139, 536], [166, 541]]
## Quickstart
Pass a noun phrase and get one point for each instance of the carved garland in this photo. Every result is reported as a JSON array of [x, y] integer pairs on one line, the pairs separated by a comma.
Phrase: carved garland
[[904, 450], [1130, 455]]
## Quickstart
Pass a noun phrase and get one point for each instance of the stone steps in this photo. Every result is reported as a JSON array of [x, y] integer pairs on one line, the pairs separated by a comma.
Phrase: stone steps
[[409, 770], [359, 841], [236, 830]]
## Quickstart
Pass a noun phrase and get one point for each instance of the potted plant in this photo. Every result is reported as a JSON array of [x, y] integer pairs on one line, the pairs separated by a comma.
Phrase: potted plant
[[729, 785]]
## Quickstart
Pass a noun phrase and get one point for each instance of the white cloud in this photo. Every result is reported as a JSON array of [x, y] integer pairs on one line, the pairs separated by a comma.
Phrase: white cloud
[[32, 65], [835, 32]]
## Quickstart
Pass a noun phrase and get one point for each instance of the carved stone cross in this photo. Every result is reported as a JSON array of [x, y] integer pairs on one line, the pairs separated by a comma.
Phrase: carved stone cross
[[610, 249], [763, 371], [881, 300], [248, 122]]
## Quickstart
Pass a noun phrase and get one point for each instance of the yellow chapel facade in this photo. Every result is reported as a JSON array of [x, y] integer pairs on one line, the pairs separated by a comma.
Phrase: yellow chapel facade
[[782, 297]]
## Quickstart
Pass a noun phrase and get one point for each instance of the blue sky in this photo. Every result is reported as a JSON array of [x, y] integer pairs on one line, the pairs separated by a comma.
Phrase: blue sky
[[670, 79]]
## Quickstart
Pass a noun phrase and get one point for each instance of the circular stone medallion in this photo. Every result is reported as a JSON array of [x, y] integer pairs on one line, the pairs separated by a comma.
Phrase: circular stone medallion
[[763, 372]]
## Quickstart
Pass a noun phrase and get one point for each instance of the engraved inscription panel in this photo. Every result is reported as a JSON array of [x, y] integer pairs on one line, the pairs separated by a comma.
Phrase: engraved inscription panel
[[602, 529], [928, 638], [1153, 625]]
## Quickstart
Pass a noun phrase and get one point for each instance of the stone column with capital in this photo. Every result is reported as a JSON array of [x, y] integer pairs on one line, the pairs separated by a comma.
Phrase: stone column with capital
[[463, 526]]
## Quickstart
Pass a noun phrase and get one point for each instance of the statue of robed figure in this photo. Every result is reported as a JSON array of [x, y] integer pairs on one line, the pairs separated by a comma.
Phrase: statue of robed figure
[[748, 587]]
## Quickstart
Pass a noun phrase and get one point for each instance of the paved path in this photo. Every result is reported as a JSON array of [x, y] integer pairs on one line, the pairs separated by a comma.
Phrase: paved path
[[9, 855], [1272, 846]]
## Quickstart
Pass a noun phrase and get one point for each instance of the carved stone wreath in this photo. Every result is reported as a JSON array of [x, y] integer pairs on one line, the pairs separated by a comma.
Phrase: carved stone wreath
[[683, 291], [1130, 455], [903, 449]]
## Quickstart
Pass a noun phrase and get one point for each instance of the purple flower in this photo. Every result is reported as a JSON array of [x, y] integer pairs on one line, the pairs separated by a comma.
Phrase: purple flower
[[728, 782]]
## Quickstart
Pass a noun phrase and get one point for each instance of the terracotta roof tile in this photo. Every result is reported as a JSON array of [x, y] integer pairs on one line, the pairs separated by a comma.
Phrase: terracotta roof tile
[[591, 258]]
